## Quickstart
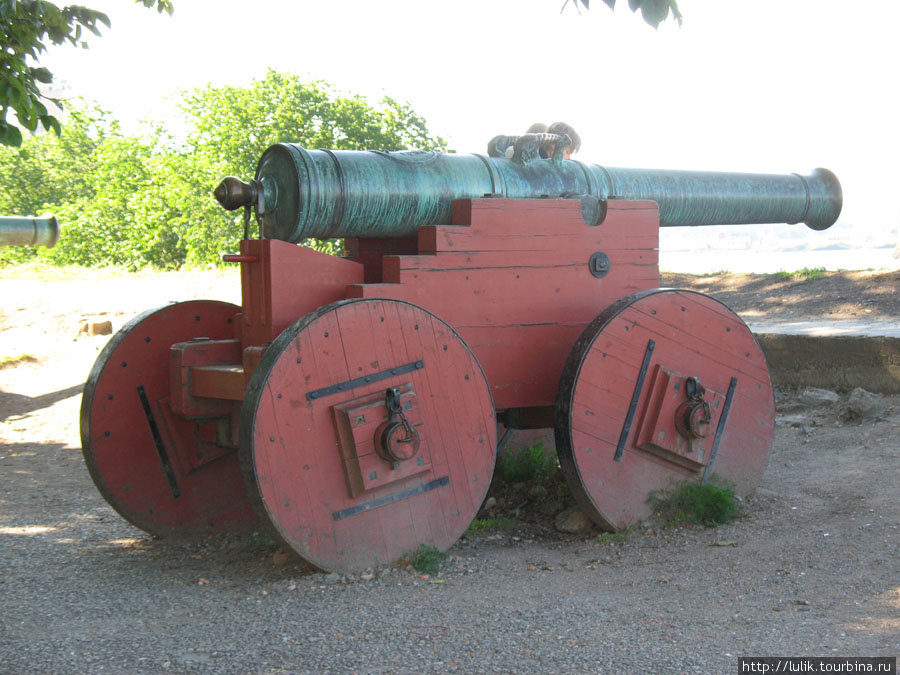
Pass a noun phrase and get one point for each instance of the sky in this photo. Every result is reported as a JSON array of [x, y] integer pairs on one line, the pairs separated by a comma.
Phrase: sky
[[775, 86]]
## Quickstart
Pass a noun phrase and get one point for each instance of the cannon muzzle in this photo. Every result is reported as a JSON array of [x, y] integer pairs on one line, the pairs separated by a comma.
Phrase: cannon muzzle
[[301, 193], [29, 231]]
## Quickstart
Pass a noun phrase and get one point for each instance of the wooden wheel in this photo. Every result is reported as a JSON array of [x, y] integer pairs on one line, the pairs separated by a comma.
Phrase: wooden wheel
[[145, 461], [367, 430], [664, 386]]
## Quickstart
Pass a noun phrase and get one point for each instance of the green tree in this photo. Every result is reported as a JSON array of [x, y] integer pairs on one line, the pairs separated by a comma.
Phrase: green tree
[[50, 170], [113, 224], [232, 126], [93, 178], [145, 201], [654, 12], [26, 26]]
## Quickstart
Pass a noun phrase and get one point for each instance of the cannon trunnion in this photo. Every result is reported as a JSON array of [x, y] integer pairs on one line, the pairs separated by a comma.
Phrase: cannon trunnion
[[351, 405]]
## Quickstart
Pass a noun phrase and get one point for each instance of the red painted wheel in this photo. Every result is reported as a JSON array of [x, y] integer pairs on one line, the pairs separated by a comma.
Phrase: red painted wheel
[[137, 451], [367, 430], [664, 386]]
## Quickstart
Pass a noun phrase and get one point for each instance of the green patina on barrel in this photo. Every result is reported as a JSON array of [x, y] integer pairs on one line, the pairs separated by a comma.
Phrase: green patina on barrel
[[324, 193]]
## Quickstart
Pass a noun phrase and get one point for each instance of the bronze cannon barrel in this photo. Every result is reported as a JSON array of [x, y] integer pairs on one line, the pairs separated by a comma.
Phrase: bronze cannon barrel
[[301, 193], [29, 231]]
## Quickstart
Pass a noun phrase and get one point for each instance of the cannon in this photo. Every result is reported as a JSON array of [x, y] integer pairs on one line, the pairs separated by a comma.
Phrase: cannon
[[300, 193], [351, 405], [29, 231]]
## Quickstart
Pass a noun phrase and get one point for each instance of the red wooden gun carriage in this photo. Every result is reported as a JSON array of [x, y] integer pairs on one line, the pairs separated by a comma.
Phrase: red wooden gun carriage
[[351, 404]]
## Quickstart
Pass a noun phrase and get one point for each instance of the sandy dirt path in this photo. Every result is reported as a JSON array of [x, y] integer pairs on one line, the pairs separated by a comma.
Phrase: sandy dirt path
[[812, 569]]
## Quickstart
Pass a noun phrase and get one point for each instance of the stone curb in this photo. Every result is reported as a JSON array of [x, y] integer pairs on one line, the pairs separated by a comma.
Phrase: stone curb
[[837, 362]]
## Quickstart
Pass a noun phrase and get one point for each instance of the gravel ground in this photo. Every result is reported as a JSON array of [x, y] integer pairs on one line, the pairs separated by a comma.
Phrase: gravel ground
[[812, 568]]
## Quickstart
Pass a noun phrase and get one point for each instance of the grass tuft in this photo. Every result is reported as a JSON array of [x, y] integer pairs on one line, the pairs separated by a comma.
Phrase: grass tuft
[[481, 525], [812, 273], [10, 361], [427, 559], [530, 464], [614, 537], [260, 540], [691, 503], [808, 273]]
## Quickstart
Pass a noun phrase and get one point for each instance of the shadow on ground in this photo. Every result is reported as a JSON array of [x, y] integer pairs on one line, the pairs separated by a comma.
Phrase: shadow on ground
[[12, 404]]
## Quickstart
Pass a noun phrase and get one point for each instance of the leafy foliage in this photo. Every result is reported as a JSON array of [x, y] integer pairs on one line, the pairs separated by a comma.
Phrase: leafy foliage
[[27, 26], [654, 12], [147, 201]]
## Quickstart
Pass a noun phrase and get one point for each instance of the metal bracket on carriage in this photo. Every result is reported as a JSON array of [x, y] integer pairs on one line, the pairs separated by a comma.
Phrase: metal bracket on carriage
[[372, 435], [677, 419]]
